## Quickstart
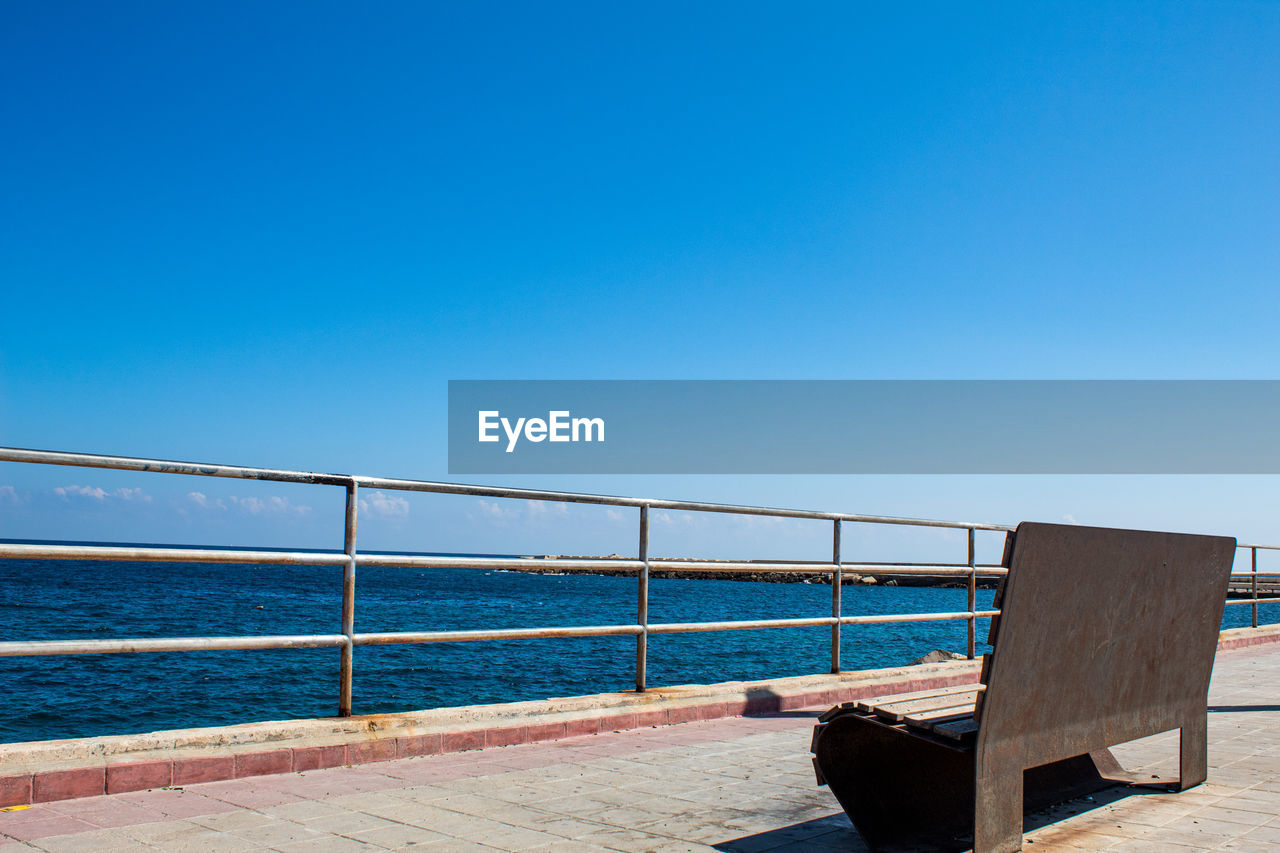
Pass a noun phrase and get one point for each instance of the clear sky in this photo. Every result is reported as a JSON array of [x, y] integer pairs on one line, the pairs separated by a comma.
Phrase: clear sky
[[269, 233]]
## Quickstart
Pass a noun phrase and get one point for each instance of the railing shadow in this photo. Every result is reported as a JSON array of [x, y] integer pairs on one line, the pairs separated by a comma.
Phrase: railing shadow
[[1238, 709], [833, 832]]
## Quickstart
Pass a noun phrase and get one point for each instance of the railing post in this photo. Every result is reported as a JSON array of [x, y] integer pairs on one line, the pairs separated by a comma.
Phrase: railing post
[[642, 602], [837, 578], [348, 601], [1254, 606], [972, 599]]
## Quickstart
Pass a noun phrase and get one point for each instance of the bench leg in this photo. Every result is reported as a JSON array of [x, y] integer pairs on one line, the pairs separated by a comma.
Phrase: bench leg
[[997, 813], [1193, 764]]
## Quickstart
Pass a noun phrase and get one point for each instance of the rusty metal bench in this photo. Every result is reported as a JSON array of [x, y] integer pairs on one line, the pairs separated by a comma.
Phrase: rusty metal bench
[[1104, 636]]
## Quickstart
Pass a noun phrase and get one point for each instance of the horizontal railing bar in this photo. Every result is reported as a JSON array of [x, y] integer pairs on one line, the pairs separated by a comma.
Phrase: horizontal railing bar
[[1259, 600], [712, 567], [128, 463], [512, 563], [167, 555], [757, 624], [1248, 575], [168, 644], [964, 566], [1261, 547], [749, 625], [391, 638], [655, 503], [168, 466], [526, 563], [191, 644], [205, 555], [916, 617], [877, 568]]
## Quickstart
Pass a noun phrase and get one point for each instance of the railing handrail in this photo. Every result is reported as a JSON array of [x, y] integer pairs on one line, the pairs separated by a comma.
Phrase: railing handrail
[[241, 472], [642, 565]]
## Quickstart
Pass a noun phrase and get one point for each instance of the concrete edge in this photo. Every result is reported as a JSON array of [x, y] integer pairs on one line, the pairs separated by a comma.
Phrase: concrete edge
[[1240, 638], [44, 771]]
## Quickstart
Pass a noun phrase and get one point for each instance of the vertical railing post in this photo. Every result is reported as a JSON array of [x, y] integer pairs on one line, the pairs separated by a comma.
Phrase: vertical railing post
[[348, 601], [837, 578], [642, 602], [972, 599], [1254, 606]]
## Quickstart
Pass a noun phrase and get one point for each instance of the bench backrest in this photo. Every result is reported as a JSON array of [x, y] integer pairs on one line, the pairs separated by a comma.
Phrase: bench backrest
[[1105, 636]]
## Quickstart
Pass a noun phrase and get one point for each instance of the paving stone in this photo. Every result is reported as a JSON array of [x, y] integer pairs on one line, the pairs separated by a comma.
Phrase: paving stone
[[736, 785]]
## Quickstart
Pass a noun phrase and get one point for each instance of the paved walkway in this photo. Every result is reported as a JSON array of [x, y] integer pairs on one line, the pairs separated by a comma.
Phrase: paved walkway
[[738, 785]]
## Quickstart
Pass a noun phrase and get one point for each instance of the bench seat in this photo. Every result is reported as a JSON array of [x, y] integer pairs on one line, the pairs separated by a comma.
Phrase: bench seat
[[1104, 636]]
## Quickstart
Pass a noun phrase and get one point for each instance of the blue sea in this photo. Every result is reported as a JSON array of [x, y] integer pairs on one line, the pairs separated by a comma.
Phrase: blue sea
[[62, 696]]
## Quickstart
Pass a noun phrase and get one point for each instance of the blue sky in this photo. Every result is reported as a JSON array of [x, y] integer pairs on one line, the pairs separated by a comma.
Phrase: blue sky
[[270, 233]]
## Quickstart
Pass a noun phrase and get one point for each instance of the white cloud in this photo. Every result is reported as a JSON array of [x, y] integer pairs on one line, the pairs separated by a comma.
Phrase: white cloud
[[199, 499], [496, 511], [388, 506], [681, 519], [94, 492], [99, 494], [537, 509], [9, 495], [274, 505], [1070, 519], [615, 515], [132, 495], [502, 512]]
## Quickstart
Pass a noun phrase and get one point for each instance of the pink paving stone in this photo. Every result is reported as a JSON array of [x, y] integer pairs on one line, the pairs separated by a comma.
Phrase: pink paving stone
[[353, 779], [177, 804], [371, 750], [418, 745], [618, 723], [107, 812], [425, 772], [546, 731], [683, 714], [577, 728], [65, 784], [761, 704], [608, 750], [458, 741], [254, 793], [189, 771], [317, 757], [138, 776], [15, 790], [532, 754], [714, 711], [263, 763], [506, 736], [651, 718], [48, 825], [793, 702]]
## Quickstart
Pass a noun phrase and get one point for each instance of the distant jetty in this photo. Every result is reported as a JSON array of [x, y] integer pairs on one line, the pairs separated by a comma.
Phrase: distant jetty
[[886, 578]]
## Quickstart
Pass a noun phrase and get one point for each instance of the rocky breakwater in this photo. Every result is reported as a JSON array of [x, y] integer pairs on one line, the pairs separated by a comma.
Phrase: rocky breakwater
[[886, 578]]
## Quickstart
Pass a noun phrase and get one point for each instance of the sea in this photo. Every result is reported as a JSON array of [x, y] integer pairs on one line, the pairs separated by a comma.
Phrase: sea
[[67, 696]]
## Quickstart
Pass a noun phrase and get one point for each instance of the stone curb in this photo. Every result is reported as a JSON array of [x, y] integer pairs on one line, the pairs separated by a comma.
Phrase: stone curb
[[87, 767]]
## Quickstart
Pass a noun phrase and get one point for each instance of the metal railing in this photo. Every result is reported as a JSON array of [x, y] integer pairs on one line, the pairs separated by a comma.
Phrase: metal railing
[[643, 565], [1253, 576]]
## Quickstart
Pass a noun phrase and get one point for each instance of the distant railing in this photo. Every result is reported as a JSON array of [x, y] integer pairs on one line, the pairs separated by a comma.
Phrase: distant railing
[[642, 565]]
